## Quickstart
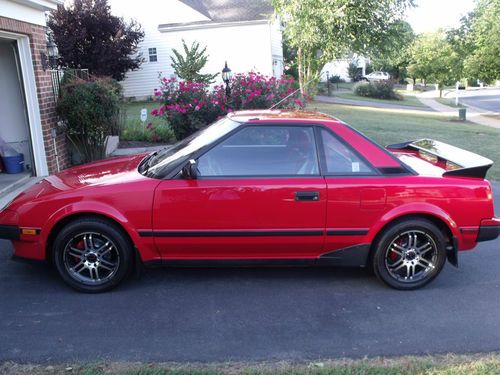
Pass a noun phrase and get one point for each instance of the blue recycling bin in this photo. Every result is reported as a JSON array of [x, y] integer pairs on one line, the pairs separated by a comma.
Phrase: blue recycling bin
[[13, 164]]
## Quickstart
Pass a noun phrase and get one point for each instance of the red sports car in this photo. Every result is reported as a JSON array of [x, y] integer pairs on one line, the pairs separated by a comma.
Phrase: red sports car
[[260, 188]]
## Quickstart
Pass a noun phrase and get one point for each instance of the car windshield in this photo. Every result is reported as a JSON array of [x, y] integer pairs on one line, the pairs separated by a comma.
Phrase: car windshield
[[162, 163]]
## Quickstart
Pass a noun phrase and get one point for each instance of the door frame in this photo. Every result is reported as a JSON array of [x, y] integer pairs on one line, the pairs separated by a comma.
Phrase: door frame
[[31, 99]]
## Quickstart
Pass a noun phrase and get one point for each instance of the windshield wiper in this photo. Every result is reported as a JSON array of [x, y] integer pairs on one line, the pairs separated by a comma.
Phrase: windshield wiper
[[147, 163]]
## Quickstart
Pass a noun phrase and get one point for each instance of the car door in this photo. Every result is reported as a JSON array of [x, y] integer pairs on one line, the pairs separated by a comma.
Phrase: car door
[[258, 195], [356, 194]]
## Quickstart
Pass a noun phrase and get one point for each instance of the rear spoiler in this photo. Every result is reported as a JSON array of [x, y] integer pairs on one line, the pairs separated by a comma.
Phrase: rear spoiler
[[456, 161]]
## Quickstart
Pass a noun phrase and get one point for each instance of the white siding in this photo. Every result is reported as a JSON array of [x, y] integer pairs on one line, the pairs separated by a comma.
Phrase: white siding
[[26, 13], [340, 67], [245, 48], [277, 47], [150, 14]]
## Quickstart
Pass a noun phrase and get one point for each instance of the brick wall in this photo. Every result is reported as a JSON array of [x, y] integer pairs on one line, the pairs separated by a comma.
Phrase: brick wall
[[46, 100]]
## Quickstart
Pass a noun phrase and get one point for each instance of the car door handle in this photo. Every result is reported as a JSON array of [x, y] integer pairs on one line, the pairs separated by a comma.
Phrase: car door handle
[[307, 196]]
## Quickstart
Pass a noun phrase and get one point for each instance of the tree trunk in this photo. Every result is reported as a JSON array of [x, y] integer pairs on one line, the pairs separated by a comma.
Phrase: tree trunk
[[300, 65]]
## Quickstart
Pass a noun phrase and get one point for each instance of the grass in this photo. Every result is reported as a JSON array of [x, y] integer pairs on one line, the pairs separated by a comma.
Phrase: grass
[[393, 126], [134, 130], [408, 100], [449, 102], [479, 364]]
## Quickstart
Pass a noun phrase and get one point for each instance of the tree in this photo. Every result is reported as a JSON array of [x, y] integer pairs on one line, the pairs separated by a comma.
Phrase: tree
[[393, 55], [188, 67], [433, 59], [459, 39], [89, 36], [324, 30], [483, 61]]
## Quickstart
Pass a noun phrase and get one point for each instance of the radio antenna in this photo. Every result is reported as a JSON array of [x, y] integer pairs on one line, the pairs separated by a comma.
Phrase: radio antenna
[[293, 93]]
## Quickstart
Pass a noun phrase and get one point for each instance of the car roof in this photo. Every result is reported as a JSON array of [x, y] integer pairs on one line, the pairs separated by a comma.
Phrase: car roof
[[280, 114]]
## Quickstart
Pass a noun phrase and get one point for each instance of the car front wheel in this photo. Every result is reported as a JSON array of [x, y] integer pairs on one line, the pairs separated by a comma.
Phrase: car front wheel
[[92, 255], [409, 254]]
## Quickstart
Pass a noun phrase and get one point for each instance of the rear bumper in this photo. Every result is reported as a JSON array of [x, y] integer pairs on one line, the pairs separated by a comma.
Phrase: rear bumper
[[489, 229], [10, 232]]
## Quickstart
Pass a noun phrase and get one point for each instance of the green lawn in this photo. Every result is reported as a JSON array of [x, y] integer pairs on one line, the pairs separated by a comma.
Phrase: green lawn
[[479, 364], [393, 126], [134, 130], [449, 102], [408, 100]]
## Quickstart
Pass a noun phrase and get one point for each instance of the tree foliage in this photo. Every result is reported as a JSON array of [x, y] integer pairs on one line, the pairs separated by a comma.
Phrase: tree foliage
[[483, 58], [393, 55], [90, 110], [188, 67], [323, 30], [88, 36], [433, 59]]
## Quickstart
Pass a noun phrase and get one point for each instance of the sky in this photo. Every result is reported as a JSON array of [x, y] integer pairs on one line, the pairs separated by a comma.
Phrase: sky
[[430, 15]]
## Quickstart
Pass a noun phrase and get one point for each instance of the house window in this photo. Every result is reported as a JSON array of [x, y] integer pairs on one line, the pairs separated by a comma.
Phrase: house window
[[152, 55]]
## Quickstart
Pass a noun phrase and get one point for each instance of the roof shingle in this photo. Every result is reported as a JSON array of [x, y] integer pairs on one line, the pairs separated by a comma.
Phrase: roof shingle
[[220, 11]]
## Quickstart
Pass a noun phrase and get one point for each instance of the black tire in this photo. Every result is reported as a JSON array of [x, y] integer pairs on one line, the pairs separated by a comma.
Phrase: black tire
[[92, 255], [409, 254]]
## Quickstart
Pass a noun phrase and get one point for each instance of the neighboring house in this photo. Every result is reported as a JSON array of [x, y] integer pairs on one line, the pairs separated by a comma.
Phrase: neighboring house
[[245, 33], [340, 67], [28, 120]]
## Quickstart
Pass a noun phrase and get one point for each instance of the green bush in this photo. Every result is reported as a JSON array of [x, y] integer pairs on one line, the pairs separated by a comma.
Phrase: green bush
[[90, 110], [336, 79], [377, 89], [157, 131]]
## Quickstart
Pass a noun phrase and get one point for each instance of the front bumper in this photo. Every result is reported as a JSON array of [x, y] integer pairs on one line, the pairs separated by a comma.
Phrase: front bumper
[[489, 229], [10, 232]]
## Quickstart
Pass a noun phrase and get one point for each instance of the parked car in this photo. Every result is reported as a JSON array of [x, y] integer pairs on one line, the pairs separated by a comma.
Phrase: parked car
[[377, 76], [260, 188]]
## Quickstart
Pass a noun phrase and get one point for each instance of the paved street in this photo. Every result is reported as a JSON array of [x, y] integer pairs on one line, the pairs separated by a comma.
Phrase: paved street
[[249, 314], [488, 100]]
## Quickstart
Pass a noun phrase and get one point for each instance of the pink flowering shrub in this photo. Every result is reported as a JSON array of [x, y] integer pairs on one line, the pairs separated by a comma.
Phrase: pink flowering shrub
[[189, 106], [256, 91]]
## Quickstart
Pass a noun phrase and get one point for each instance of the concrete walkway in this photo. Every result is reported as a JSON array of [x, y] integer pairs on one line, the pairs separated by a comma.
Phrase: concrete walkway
[[473, 114], [137, 150], [367, 103]]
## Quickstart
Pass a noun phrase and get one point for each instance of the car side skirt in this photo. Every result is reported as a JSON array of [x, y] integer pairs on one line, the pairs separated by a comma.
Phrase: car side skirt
[[353, 256]]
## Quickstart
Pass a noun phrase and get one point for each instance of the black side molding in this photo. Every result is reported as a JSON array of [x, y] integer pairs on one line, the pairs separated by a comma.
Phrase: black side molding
[[19, 259], [9, 232], [231, 233], [488, 233], [353, 256]]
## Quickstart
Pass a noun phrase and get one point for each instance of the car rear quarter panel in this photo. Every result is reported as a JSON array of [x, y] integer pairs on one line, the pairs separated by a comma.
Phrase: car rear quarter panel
[[460, 203]]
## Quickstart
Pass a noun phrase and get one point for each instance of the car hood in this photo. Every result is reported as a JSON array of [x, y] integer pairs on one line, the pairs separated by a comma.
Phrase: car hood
[[101, 173]]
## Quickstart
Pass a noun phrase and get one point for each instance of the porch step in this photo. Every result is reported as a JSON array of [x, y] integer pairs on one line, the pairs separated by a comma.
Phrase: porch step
[[12, 182], [9, 193]]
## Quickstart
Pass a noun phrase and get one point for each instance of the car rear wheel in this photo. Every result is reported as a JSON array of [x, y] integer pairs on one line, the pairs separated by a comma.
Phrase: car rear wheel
[[92, 255], [409, 254]]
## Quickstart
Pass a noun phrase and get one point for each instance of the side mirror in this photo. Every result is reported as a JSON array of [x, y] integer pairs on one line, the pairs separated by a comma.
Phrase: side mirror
[[190, 171]]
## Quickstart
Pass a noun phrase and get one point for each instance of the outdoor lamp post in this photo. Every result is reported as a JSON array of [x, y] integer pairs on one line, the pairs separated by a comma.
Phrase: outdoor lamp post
[[52, 52], [226, 77]]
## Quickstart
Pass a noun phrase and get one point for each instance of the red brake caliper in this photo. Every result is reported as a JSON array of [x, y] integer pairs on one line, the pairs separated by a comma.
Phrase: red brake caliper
[[80, 246], [393, 256]]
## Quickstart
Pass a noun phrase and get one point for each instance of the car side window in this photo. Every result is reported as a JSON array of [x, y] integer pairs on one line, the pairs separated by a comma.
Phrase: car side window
[[263, 151], [340, 159]]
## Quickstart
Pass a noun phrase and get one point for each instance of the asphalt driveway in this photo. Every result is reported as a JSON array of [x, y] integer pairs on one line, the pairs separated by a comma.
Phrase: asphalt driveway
[[249, 314]]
